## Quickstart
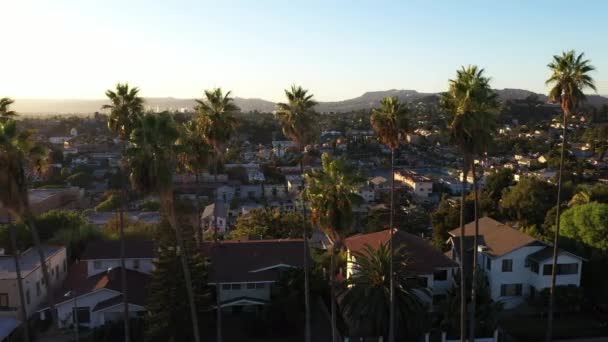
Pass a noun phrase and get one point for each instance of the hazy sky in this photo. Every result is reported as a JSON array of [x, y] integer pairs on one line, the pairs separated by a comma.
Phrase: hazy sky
[[337, 49]]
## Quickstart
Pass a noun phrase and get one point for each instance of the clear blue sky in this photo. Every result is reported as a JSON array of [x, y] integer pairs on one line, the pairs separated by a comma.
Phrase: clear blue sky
[[337, 49]]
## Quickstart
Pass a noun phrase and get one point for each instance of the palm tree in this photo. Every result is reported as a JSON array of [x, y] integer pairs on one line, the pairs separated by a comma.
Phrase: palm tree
[[471, 102], [569, 77], [19, 152], [215, 120], [390, 124], [300, 124], [151, 159], [365, 301], [125, 110], [193, 157], [22, 302], [5, 112], [331, 194]]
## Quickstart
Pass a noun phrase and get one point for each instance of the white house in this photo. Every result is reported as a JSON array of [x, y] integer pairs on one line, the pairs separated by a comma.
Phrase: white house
[[421, 186], [215, 216], [245, 271], [32, 279], [428, 264], [275, 190], [367, 193], [517, 265], [92, 293]]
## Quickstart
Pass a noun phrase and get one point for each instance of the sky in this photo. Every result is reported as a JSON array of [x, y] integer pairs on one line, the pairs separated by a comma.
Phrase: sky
[[337, 49]]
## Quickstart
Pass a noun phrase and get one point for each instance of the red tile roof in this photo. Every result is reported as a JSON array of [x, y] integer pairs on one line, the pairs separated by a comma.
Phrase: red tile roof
[[252, 260], [423, 258]]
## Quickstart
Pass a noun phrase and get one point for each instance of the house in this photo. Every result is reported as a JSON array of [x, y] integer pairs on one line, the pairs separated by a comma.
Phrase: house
[[92, 293], [517, 265], [250, 192], [101, 219], [215, 216], [279, 148], [367, 193], [43, 200], [245, 271], [294, 183], [379, 184], [429, 265], [421, 186], [225, 193], [32, 279], [275, 190]]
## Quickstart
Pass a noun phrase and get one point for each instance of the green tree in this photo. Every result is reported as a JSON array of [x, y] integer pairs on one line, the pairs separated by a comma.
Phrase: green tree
[[497, 182], [569, 78], [472, 103], [447, 217], [151, 159], [269, 223], [299, 122], [366, 301], [19, 152], [528, 201], [126, 108], [587, 224], [5, 112], [168, 305], [391, 124], [331, 194]]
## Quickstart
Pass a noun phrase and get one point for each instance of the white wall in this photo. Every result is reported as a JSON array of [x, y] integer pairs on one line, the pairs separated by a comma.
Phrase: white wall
[[64, 310], [145, 265]]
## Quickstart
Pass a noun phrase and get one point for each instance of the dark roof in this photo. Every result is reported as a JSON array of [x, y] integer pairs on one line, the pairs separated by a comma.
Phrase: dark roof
[[238, 299], [547, 253], [78, 283], [423, 258], [110, 249], [244, 261], [498, 238], [115, 301]]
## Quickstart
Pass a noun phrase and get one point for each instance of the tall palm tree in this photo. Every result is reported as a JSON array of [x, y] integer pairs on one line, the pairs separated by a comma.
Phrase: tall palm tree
[[569, 77], [18, 152], [390, 123], [151, 159], [126, 107], [331, 194], [215, 120], [5, 112], [193, 156], [365, 303], [300, 123], [471, 102]]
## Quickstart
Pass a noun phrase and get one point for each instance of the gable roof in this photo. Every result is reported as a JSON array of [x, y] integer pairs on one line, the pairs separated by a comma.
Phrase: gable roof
[[110, 249], [547, 253], [423, 258], [253, 260], [497, 237]]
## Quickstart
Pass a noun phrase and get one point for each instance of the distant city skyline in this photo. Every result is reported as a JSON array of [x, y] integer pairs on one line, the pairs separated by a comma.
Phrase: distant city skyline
[[76, 50]]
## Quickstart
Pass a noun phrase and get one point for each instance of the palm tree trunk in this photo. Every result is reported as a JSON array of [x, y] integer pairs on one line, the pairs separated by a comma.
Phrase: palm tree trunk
[[218, 325], [463, 292], [307, 335], [200, 235], [475, 256], [391, 326], [332, 288], [123, 269], [167, 198], [45, 269], [549, 336], [22, 302]]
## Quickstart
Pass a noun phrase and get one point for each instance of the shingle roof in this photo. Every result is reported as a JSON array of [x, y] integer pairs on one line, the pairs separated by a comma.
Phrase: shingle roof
[[542, 254], [78, 283], [245, 261], [109, 249], [498, 238], [423, 258]]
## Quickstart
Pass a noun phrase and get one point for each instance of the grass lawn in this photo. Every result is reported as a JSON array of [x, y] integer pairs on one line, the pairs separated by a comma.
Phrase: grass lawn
[[532, 328]]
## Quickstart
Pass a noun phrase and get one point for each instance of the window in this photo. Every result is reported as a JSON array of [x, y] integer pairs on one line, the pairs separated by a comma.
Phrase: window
[[250, 286], [82, 314], [440, 275], [510, 290], [534, 266], [135, 264], [562, 269], [37, 288], [507, 265], [4, 300], [260, 285], [225, 286], [27, 296], [235, 286], [98, 265], [488, 263]]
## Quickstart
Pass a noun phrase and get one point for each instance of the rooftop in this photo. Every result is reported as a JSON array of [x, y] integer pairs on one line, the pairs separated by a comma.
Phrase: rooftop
[[110, 249], [29, 261]]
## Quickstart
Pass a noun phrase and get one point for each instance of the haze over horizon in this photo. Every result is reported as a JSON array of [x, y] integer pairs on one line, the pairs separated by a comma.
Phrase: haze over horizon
[[338, 51]]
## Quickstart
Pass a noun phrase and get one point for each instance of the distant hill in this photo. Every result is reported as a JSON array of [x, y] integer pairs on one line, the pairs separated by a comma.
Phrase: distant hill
[[366, 101]]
